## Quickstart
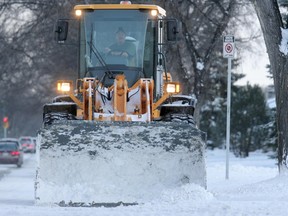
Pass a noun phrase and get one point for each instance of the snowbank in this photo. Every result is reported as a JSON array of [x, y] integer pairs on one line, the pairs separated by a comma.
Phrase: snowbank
[[113, 163]]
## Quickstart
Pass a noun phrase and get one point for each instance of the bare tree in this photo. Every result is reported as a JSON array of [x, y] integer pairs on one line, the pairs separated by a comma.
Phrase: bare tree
[[194, 58], [37, 62], [274, 33], [30, 60]]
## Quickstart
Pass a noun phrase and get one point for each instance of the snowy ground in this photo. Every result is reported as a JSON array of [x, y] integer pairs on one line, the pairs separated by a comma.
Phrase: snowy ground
[[254, 188]]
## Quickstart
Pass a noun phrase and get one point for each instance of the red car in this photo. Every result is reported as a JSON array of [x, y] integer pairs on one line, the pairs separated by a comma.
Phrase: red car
[[27, 144], [11, 152]]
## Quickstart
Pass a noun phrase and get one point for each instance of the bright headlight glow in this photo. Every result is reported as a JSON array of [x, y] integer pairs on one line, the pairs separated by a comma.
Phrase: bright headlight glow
[[78, 12], [172, 88], [125, 2], [177, 88], [65, 87], [154, 12]]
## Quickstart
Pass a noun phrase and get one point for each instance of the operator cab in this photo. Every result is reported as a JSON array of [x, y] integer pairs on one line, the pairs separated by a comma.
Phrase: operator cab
[[100, 52]]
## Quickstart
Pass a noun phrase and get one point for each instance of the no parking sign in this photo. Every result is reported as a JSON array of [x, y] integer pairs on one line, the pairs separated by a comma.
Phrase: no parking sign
[[228, 46]]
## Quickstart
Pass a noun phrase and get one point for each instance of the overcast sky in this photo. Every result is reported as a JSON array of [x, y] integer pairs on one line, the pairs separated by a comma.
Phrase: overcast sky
[[254, 67], [252, 52]]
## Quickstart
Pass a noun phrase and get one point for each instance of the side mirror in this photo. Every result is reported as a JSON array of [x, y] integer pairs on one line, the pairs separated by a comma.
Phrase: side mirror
[[61, 31], [172, 30]]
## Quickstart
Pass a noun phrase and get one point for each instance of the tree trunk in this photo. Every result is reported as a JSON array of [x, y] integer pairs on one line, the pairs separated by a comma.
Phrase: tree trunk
[[271, 23]]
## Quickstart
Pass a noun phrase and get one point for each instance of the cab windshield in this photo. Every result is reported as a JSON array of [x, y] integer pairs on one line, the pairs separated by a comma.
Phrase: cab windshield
[[117, 41]]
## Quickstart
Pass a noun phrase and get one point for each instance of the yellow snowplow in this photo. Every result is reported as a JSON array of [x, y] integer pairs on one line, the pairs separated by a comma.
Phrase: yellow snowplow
[[124, 133]]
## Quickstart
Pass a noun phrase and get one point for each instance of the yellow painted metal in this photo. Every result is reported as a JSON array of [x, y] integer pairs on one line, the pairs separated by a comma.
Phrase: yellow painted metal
[[78, 102], [80, 113], [161, 100], [160, 10], [156, 113], [120, 98], [167, 77]]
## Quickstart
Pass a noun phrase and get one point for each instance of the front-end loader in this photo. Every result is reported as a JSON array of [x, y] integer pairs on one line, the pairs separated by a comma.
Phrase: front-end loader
[[125, 133]]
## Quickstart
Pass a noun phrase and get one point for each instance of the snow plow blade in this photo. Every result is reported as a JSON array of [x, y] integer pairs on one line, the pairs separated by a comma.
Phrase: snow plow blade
[[88, 163]]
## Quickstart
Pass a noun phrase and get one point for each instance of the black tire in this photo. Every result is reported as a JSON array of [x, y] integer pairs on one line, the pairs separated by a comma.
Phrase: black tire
[[180, 117], [19, 165], [183, 118], [49, 118], [189, 110]]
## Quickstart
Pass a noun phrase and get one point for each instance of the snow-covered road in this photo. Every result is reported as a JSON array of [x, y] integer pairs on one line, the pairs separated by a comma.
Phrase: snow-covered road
[[16, 185], [253, 189]]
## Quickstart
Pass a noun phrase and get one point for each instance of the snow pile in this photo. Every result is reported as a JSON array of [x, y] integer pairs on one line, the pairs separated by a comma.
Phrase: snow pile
[[265, 190], [105, 163], [186, 193]]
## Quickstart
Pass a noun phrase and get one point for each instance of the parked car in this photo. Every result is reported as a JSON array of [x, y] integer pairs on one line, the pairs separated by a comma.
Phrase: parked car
[[27, 144], [11, 152]]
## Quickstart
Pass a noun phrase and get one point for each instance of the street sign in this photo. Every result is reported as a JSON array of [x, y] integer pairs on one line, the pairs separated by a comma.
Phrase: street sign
[[228, 46]]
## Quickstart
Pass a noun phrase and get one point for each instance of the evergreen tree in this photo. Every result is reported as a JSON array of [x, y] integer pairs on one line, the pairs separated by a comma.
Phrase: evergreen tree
[[269, 131], [248, 112], [213, 113], [249, 120]]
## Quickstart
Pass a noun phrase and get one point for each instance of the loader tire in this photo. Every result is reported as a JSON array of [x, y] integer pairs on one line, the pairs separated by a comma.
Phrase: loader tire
[[179, 117], [49, 118]]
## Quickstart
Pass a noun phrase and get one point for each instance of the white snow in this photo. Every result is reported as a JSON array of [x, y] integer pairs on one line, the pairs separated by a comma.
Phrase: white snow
[[114, 175], [271, 102], [254, 188], [284, 42], [200, 66]]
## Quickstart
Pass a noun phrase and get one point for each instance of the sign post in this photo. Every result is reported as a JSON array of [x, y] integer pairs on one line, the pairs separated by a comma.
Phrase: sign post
[[228, 52]]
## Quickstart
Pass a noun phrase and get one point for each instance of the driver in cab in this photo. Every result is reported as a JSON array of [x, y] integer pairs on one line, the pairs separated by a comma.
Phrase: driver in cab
[[122, 48]]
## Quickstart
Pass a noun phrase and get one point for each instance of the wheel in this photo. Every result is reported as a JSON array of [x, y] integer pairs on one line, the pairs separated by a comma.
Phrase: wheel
[[49, 118], [58, 111], [19, 165], [183, 118], [179, 117]]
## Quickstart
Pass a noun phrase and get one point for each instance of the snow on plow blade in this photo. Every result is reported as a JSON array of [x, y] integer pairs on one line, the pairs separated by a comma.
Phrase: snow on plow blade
[[116, 162]]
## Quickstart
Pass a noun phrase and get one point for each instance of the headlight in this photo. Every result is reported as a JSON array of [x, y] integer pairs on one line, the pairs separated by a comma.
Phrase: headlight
[[125, 2], [78, 13], [64, 86], [173, 87], [154, 13]]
